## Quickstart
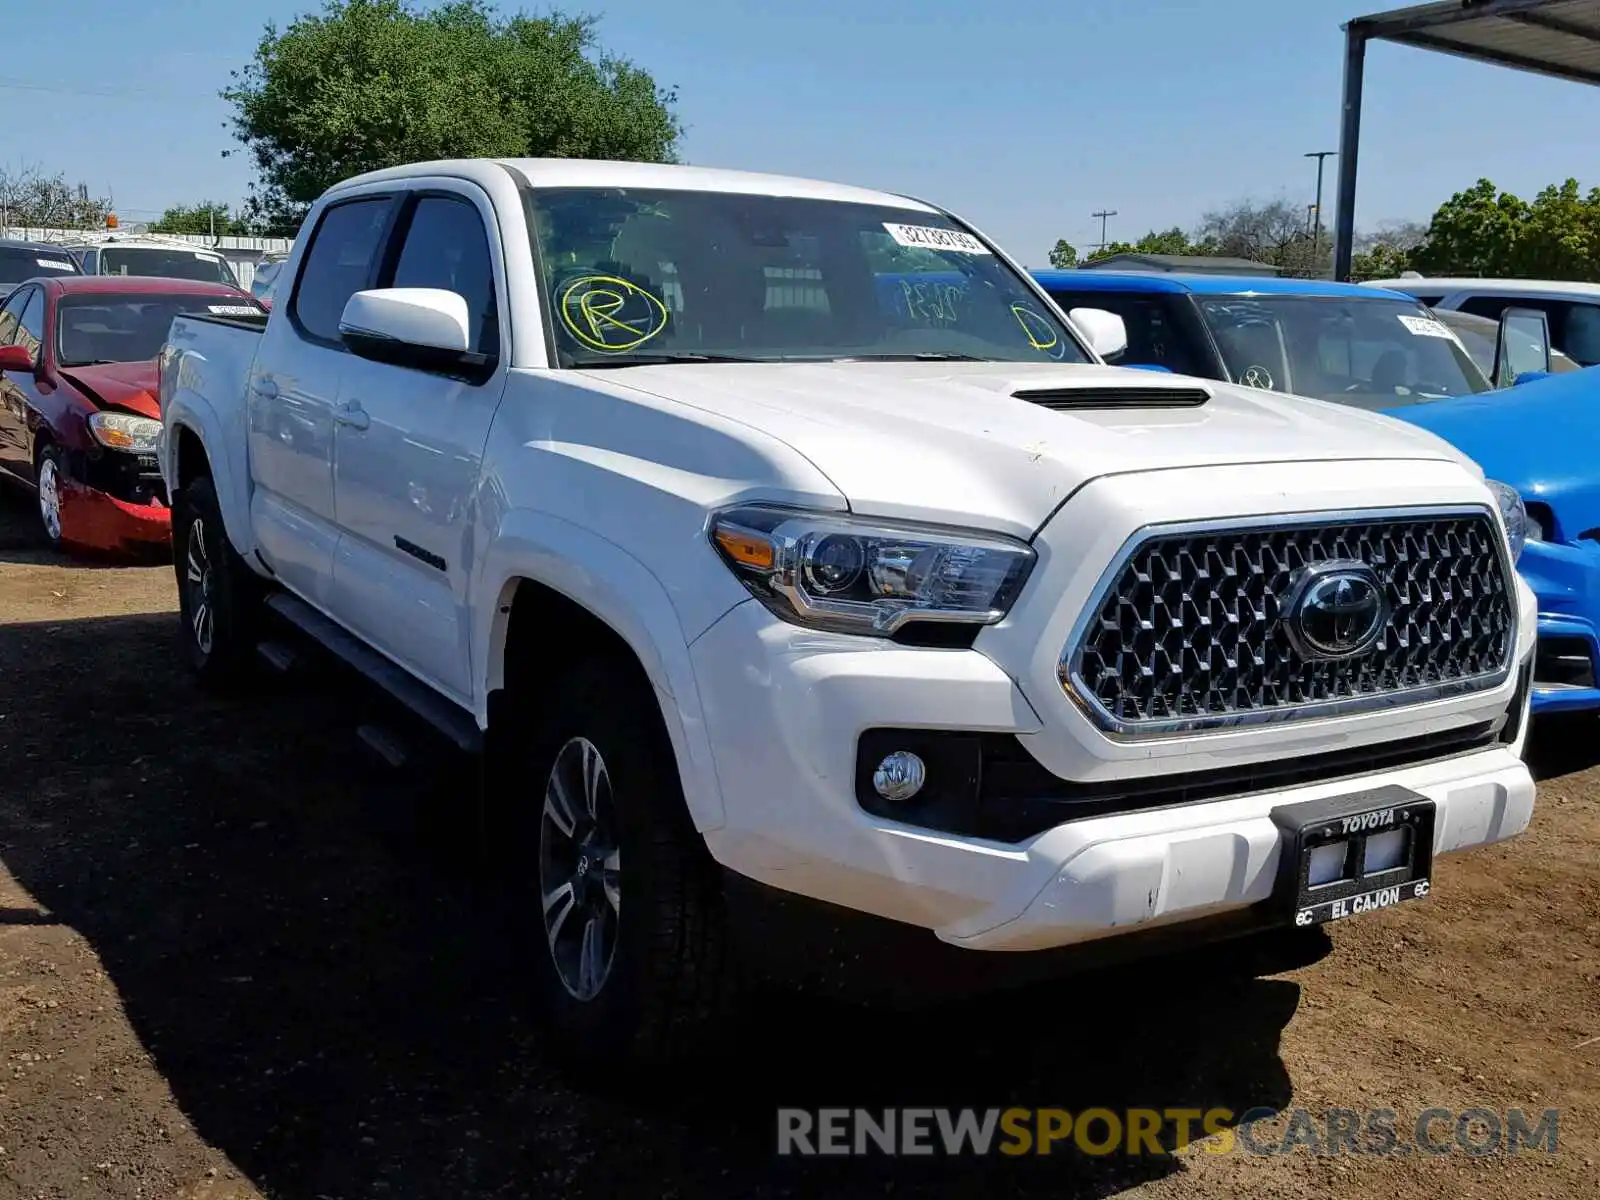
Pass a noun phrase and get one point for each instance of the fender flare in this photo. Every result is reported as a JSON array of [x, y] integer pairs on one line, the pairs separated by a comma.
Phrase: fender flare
[[188, 410], [620, 591]]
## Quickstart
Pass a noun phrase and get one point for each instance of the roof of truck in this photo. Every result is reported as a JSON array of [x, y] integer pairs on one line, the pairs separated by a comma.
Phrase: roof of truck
[[583, 172], [1091, 280]]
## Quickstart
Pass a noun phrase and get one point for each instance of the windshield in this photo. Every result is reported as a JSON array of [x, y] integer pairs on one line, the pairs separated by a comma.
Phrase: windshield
[[634, 276], [96, 328], [24, 262], [1372, 354], [170, 264]]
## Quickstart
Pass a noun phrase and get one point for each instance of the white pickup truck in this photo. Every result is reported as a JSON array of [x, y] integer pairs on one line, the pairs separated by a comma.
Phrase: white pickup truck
[[782, 540]]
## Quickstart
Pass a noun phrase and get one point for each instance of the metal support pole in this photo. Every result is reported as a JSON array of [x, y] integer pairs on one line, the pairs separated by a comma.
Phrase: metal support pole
[[1344, 233]]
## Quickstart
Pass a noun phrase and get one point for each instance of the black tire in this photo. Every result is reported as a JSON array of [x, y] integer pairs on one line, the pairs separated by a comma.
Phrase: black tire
[[48, 471], [670, 975], [218, 595]]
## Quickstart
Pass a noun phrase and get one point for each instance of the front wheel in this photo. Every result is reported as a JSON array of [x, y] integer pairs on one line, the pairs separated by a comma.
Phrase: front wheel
[[48, 475], [621, 908], [217, 593]]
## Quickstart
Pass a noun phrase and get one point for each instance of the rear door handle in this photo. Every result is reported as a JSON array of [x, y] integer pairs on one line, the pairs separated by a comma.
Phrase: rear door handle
[[353, 415], [266, 388]]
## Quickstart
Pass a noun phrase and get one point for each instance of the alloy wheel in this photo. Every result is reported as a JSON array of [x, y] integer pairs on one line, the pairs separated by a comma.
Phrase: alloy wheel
[[198, 574], [580, 869]]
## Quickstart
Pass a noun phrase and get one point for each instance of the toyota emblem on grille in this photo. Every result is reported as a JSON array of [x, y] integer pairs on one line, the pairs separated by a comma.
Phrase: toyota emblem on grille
[[1335, 610]]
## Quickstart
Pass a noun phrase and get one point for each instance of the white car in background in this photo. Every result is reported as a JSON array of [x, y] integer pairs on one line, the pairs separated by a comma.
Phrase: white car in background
[[151, 254], [1572, 308]]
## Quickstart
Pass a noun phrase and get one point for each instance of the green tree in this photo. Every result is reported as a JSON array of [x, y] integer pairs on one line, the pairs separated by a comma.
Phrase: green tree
[[1485, 231], [206, 217], [1163, 241], [375, 83], [1473, 233], [1379, 261], [1063, 255]]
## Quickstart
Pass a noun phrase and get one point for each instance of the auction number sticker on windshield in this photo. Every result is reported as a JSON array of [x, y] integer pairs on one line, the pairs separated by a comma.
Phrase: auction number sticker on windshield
[[54, 264], [930, 237], [610, 314], [232, 310], [1426, 327]]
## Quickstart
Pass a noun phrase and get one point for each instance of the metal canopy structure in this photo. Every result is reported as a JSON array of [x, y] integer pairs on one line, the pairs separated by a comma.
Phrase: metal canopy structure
[[1560, 38]]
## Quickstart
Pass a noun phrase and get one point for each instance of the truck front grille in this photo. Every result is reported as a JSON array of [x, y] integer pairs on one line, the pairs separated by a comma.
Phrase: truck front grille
[[1188, 630]]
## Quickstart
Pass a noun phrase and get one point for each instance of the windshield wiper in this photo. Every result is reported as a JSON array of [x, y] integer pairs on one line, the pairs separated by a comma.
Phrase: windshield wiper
[[921, 356], [656, 360]]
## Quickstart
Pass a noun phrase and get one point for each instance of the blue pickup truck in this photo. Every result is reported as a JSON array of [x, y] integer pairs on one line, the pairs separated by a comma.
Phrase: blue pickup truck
[[1383, 351]]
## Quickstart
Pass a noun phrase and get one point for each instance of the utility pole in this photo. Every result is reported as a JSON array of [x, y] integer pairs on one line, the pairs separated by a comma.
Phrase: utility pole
[[1103, 214], [1316, 237]]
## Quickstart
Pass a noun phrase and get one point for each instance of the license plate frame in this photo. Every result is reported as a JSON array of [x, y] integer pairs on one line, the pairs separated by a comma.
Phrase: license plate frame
[[1353, 819]]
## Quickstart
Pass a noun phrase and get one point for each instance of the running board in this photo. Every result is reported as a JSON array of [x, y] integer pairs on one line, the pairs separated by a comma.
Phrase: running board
[[449, 718]]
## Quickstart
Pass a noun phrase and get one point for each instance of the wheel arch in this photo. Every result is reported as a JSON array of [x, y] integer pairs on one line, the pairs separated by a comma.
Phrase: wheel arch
[[189, 444], [572, 595]]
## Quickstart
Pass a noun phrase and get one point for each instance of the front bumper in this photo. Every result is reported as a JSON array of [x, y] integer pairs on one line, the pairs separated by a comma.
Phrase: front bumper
[[114, 502], [93, 520], [785, 709], [1566, 580]]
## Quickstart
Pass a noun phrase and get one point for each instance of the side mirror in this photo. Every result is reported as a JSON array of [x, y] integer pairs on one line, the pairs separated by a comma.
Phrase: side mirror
[[1522, 345], [422, 328], [1107, 333], [16, 358]]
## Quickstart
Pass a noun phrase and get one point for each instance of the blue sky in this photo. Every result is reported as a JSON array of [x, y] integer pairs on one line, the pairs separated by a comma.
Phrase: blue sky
[[1024, 117]]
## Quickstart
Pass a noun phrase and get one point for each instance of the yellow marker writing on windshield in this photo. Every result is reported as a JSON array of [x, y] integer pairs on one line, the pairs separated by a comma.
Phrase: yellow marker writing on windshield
[[611, 314], [1040, 334]]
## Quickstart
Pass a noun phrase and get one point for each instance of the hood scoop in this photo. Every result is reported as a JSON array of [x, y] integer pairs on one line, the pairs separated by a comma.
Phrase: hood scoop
[[1088, 398]]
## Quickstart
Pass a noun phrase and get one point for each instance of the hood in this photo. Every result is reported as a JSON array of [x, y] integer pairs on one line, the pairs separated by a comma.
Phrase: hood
[[131, 386], [1538, 437], [918, 439]]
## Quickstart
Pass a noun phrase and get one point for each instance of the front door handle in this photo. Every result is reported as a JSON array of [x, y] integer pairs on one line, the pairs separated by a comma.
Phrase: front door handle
[[266, 388], [353, 415]]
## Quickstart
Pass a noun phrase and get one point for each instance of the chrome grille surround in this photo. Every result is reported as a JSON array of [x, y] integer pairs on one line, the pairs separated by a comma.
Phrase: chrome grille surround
[[1184, 634]]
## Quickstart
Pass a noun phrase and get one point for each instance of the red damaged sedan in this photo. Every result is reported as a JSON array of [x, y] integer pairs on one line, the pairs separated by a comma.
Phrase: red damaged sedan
[[78, 411]]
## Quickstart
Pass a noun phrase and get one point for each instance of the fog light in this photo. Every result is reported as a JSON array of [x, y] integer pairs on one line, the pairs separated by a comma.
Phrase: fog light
[[899, 776]]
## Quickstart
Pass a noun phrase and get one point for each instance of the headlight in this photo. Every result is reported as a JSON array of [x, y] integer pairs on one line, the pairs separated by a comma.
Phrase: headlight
[[1514, 513], [124, 431], [852, 575]]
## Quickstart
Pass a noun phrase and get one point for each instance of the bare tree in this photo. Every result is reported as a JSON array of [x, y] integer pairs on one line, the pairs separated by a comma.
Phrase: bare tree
[[1403, 236], [29, 197], [1274, 232]]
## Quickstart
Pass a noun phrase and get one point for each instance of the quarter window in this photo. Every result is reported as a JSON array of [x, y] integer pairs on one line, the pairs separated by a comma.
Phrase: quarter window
[[338, 264]]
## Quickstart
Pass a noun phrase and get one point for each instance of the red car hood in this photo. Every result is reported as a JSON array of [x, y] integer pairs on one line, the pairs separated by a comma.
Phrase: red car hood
[[119, 385]]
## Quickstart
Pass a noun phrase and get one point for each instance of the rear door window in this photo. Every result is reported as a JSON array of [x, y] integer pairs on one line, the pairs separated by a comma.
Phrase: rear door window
[[340, 262]]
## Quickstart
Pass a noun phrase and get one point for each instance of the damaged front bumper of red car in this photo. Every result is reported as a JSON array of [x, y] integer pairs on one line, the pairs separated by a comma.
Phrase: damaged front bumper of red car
[[115, 503]]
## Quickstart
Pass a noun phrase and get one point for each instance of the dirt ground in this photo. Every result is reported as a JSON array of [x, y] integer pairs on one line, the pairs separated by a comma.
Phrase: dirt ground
[[241, 958]]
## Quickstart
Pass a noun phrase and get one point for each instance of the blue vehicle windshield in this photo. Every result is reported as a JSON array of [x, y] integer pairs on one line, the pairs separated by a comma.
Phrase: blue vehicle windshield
[[1373, 354]]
